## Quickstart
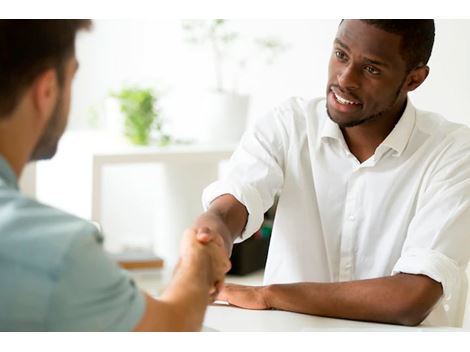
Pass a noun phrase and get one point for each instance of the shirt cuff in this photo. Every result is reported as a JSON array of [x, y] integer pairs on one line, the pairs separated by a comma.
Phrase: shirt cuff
[[246, 195], [433, 264]]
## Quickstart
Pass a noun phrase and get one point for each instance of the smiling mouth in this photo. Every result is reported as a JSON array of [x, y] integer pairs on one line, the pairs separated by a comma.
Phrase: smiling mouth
[[344, 101]]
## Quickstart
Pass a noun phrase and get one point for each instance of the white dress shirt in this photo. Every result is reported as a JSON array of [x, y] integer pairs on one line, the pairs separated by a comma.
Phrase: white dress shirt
[[405, 209]]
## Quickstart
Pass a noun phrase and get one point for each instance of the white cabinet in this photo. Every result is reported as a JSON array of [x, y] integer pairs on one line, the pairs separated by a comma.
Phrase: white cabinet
[[138, 194]]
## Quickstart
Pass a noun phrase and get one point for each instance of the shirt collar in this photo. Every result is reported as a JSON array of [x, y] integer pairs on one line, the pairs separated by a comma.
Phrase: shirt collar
[[7, 174], [396, 140], [401, 133]]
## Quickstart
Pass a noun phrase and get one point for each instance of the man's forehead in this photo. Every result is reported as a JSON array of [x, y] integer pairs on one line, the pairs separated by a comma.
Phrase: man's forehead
[[369, 41]]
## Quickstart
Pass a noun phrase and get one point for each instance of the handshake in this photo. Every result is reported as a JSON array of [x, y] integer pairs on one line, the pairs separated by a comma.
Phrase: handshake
[[198, 279], [204, 254]]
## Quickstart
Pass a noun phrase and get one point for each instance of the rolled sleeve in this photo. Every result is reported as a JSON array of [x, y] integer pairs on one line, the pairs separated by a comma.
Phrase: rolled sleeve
[[255, 171], [433, 264], [438, 239], [246, 195]]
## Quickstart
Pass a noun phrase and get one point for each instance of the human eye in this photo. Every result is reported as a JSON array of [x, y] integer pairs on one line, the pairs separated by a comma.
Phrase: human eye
[[372, 70], [341, 55]]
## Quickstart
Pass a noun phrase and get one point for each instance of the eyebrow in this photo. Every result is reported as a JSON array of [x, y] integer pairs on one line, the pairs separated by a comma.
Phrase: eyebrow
[[370, 61], [377, 63], [340, 43]]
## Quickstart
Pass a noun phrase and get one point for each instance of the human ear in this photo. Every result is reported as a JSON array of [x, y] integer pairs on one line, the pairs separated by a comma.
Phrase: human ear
[[45, 92], [416, 77]]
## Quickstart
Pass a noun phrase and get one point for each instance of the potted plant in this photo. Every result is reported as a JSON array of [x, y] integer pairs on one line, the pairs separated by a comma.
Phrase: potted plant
[[225, 110], [141, 117]]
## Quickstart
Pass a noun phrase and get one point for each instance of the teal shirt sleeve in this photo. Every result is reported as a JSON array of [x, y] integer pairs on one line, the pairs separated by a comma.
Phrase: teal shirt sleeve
[[92, 293]]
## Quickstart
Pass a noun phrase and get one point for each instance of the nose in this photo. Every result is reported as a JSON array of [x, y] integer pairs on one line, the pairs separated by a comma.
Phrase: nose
[[348, 78]]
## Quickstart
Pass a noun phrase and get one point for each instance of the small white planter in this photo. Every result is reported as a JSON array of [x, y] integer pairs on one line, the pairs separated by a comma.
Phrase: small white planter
[[223, 118], [114, 118]]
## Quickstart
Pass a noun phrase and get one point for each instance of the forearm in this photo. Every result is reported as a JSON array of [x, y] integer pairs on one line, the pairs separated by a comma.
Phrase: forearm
[[227, 216], [186, 299], [396, 299], [181, 307]]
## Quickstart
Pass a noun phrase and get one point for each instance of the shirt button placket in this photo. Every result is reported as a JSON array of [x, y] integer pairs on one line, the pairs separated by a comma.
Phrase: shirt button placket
[[348, 230]]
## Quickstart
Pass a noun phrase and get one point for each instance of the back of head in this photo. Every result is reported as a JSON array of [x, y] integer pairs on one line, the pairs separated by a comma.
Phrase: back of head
[[417, 38], [29, 47]]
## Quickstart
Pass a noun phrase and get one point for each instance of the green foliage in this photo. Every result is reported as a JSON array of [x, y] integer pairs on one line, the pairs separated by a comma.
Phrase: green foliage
[[141, 115]]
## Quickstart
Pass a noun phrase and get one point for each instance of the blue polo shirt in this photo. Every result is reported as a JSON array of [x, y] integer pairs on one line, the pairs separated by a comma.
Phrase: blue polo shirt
[[54, 274]]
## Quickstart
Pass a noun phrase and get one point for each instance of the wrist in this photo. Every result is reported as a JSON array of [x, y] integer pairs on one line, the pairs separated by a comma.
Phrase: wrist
[[193, 274], [195, 265], [267, 295], [213, 221]]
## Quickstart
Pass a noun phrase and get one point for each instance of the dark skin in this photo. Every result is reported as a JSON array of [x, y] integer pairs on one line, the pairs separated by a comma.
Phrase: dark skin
[[366, 95], [366, 68]]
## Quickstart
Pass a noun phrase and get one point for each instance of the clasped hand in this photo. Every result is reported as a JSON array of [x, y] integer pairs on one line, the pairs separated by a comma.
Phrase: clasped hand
[[206, 251]]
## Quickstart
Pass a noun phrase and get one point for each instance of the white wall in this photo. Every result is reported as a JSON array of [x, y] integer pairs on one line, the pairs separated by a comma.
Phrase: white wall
[[153, 53], [446, 90]]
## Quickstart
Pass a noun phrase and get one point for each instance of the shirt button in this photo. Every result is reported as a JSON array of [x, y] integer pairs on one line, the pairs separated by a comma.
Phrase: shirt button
[[352, 218], [446, 307]]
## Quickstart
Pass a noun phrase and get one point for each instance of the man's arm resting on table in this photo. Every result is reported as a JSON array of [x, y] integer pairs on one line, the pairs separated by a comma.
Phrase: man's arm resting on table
[[400, 299], [226, 216]]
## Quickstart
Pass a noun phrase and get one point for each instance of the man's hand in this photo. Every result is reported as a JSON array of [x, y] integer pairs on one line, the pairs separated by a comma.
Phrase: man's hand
[[220, 225], [205, 237], [205, 254], [250, 297], [210, 227], [202, 266], [226, 217]]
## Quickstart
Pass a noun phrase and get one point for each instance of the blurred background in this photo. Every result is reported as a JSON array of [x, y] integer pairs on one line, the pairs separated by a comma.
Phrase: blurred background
[[194, 87]]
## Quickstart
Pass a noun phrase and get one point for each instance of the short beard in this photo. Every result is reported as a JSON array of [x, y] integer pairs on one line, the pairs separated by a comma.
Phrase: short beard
[[371, 117], [46, 147], [358, 122]]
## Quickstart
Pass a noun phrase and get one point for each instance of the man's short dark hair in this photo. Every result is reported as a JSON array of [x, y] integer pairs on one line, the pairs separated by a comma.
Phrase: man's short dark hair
[[417, 38], [28, 48]]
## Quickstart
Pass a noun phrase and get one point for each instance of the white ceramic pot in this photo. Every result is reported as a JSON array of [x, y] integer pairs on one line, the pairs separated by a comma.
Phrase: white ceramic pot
[[223, 118], [114, 118]]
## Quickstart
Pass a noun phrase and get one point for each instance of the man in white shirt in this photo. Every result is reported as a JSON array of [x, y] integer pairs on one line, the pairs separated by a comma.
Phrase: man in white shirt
[[373, 219]]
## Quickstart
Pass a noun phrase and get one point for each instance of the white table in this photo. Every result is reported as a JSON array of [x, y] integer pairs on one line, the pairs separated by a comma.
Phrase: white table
[[221, 317], [225, 318]]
